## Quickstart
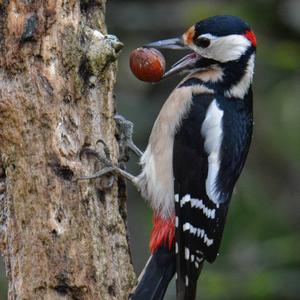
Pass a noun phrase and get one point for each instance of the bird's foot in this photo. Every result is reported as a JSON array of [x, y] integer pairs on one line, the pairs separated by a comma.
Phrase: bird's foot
[[124, 133], [108, 168]]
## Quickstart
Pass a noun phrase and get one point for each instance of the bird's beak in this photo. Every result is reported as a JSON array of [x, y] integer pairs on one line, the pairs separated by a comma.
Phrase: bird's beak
[[187, 63], [175, 43]]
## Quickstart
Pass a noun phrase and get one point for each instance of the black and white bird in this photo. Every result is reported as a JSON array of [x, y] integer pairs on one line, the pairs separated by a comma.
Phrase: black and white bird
[[196, 152]]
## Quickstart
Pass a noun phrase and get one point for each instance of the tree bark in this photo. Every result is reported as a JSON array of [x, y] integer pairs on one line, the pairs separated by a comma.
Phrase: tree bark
[[60, 239]]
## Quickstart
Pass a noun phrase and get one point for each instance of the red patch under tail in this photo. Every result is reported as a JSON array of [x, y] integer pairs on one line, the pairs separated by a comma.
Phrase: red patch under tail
[[163, 232]]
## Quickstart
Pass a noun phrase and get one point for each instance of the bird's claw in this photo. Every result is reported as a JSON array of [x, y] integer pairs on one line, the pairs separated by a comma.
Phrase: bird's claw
[[125, 132], [104, 160], [109, 167], [105, 147]]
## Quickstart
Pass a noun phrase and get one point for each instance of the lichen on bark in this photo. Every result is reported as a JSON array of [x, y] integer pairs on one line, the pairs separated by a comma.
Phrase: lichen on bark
[[60, 239]]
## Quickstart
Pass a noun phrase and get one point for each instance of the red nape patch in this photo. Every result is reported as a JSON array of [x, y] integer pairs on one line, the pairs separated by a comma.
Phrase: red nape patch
[[163, 232], [251, 37]]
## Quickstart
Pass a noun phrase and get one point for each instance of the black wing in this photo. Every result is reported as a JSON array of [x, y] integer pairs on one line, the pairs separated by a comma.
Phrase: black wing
[[199, 220]]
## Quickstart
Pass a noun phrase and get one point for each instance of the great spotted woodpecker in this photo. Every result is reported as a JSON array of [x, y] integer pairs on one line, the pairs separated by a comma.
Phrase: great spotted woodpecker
[[196, 152]]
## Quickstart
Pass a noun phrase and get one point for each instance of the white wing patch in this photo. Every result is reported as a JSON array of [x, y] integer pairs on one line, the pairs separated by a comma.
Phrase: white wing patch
[[212, 131]]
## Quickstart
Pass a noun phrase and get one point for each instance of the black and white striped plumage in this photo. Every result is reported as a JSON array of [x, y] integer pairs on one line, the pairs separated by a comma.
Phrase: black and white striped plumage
[[199, 218], [200, 140]]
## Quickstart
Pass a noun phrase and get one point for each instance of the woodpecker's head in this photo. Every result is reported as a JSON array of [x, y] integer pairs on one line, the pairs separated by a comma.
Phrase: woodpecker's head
[[214, 41]]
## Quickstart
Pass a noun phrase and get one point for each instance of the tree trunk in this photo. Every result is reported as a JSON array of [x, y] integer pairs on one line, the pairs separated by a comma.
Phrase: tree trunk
[[61, 239]]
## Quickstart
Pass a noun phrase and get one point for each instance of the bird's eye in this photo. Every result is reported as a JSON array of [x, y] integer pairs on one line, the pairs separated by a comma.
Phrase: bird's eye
[[202, 42]]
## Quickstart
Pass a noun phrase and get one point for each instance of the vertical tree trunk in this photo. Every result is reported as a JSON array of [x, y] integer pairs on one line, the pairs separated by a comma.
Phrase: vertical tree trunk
[[60, 239]]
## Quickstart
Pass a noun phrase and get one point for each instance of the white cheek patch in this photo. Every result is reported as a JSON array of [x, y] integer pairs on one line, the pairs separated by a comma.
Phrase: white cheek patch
[[225, 48]]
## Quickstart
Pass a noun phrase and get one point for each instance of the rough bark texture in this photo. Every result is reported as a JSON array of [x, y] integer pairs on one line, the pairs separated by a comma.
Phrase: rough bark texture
[[60, 239]]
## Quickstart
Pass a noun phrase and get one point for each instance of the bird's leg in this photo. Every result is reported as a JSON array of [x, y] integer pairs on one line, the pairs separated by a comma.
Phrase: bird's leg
[[109, 167], [113, 170], [124, 135]]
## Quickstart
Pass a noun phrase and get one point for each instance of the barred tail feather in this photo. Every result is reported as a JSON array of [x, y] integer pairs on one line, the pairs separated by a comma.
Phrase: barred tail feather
[[189, 262], [187, 286]]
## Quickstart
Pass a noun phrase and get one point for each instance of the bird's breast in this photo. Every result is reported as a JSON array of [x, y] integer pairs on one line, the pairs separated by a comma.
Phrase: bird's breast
[[156, 180]]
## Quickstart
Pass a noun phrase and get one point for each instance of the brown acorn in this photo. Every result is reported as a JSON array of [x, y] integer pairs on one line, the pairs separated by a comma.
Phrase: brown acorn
[[147, 64]]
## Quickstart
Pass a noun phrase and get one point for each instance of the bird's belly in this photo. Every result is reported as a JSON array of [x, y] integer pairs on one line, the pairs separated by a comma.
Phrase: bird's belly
[[156, 180]]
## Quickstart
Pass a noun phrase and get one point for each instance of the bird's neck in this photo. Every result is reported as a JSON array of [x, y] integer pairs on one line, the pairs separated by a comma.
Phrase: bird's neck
[[233, 79], [238, 76]]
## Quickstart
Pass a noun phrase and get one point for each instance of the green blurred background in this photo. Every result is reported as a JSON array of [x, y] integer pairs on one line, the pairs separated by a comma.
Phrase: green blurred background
[[260, 253]]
